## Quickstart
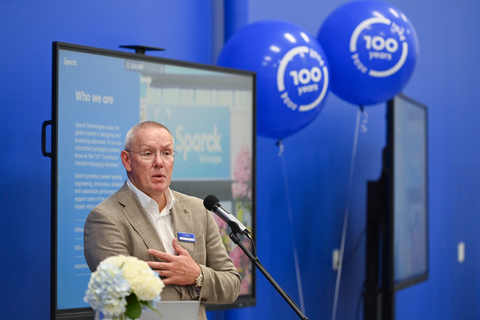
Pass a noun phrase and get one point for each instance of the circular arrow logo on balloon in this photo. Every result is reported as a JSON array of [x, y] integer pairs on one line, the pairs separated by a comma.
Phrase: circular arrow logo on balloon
[[378, 47], [303, 78]]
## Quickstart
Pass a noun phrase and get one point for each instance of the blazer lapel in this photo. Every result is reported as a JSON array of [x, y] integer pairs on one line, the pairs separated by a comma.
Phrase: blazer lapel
[[183, 222], [139, 219]]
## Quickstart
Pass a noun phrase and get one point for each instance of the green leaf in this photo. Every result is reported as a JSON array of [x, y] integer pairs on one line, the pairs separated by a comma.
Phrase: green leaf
[[149, 306], [134, 309]]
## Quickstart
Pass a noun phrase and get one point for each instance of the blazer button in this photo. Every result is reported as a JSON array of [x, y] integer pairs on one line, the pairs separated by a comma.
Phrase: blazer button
[[204, 299]]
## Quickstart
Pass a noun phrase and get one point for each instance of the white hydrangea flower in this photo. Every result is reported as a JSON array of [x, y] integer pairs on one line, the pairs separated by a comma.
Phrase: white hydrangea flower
[[144, 281]]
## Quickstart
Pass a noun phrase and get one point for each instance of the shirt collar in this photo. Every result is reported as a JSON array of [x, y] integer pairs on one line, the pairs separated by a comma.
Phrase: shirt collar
[[148, 202]]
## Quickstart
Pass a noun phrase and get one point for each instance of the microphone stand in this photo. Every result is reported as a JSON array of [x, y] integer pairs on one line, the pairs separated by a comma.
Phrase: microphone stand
[[257, 263]]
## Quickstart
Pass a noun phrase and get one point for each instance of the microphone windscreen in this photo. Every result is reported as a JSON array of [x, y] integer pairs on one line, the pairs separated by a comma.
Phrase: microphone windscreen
[[210, 201]]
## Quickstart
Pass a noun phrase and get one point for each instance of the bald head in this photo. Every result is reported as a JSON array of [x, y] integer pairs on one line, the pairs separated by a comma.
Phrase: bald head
[[132, 133]]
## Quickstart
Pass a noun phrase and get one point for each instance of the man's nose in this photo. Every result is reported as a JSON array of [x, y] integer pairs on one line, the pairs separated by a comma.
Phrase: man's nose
[[158, 160]]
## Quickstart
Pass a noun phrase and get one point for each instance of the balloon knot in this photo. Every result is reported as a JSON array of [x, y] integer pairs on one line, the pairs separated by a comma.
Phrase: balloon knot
[[280, 147]]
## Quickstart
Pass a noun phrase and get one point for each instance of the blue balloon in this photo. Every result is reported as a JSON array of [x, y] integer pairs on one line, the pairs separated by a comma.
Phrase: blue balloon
[[372, 49], [292, 74]]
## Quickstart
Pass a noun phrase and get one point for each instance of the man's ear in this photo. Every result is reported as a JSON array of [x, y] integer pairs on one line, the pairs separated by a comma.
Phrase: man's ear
[[126, 160]]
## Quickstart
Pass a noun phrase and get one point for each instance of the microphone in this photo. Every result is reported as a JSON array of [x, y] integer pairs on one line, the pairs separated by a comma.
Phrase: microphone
[[213, 204]]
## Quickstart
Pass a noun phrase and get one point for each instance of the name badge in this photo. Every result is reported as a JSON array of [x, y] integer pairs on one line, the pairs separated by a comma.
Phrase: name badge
[[187, 237]]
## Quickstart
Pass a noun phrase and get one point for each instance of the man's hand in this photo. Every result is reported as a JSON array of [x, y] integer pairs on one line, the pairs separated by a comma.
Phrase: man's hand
[[181, 269]]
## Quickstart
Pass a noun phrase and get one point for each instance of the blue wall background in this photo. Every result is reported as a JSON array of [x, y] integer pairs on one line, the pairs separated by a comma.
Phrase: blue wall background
[[317, 159]]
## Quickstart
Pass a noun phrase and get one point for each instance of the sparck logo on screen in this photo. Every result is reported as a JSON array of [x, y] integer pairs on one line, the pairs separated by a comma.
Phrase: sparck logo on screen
[[378, 47], [68, 62], [199, 142], [302, 79], [202, 140]]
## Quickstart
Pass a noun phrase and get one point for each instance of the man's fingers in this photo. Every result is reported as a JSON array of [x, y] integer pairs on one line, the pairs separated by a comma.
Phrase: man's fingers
[[168, 281], [160, 254], [178, 248], [154, 265], [165, 274], [173, 269]]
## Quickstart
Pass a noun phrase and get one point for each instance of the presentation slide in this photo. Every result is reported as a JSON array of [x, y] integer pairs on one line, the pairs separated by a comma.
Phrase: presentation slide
[[100, 97]]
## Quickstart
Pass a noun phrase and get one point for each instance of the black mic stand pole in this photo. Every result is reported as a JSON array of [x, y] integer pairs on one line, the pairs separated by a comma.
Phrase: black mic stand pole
[[257, 263]]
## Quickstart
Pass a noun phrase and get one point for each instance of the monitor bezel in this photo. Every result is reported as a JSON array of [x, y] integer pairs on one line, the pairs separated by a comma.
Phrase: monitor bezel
[[88, 313]]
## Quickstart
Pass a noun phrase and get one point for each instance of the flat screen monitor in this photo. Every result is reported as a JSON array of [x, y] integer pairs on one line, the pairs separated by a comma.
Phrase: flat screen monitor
[[98, 95], [397, 210], [409, 190]]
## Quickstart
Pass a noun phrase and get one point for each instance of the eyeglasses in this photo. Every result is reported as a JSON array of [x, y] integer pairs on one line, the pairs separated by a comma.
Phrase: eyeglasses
[[149, 155]]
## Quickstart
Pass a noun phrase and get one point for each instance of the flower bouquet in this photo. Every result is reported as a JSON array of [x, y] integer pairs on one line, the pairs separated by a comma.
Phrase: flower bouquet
[[122, 287]]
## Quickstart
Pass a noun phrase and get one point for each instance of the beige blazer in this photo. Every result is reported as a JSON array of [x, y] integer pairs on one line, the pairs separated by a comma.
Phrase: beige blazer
[[119, 225]]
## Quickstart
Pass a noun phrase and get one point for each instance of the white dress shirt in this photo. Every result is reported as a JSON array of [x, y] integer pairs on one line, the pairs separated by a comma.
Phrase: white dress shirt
[[161, 220]]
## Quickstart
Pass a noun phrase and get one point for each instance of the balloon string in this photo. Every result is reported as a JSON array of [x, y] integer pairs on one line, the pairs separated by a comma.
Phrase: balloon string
[[345, 217], [290, 218]]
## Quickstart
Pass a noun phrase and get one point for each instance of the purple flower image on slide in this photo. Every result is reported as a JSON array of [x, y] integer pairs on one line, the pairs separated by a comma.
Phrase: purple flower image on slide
[[242, 196]]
